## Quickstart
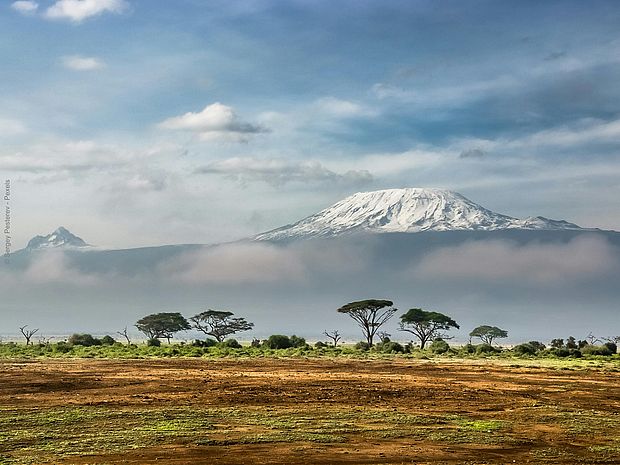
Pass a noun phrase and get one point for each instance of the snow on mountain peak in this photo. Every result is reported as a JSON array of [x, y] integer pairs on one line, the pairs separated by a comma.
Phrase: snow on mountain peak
[[406, 210], [61, 237]]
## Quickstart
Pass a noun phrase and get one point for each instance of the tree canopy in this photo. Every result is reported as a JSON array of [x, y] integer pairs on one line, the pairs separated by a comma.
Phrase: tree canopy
[[370, 315], [165, 324], [488, 333], [426, 325], [219, 324]]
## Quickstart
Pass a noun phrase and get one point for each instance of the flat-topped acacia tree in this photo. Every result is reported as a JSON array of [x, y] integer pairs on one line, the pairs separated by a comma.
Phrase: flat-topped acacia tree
[[165, 324], [488, 333], [370, 315], [219, 324], [426, 325]]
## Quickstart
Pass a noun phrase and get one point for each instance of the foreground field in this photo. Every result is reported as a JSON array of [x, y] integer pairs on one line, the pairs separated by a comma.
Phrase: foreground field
[[306, 411]]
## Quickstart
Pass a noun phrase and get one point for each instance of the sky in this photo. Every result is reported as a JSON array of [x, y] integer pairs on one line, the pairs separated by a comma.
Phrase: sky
[[135, 122]]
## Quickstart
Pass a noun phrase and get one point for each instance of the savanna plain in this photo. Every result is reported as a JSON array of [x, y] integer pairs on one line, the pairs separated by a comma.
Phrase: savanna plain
[[309, 410]]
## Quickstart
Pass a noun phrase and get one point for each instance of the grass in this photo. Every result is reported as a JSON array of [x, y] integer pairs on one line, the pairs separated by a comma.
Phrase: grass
[[34, 436], [46, 435], [121, 351], [485, 426], [589, 423]]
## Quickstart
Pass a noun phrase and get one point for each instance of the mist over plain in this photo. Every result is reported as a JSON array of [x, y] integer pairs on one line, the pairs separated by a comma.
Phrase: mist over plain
[[536, 284]]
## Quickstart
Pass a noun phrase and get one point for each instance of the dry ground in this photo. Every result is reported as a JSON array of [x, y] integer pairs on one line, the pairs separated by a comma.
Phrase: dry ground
[[305, 411]]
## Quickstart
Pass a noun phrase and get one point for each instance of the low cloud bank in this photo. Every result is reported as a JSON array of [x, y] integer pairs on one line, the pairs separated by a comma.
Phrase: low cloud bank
[[333, 263], [583, 258], [298, 287], [234, 263]]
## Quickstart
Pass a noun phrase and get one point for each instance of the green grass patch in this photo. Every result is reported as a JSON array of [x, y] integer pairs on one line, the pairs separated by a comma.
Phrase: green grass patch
[[34, 436]]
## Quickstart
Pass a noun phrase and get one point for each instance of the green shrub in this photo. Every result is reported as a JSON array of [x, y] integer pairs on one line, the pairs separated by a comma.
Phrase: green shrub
[[469, 349], [571, 343], [539, 346], [525, 349], [231, 344], [153, 342], [557, 343], [389, 347], [320, 345], [108, 340], [561, 352], [297, 341], [278, 341], [62, 347], [195, 352], [596, 350], [486, 349], [362, 345], [204, 343], [612, 346], [439, 346], [85, 340]]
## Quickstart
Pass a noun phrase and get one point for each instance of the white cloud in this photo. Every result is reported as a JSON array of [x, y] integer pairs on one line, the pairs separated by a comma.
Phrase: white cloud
[[583, 258], [11, 127], [560, 139], [342, 108], [279, 171], [25, 7], [419, 159], [447, 95], [325, 116], [138, 179], [141, 182], [214, 122], [81, 63], [263, 263], [590, 131], [52, 267], [79, 10], [71, 157], [235, 263]]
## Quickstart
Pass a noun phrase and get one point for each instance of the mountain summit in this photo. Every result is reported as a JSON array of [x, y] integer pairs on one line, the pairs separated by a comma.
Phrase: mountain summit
[[60, 238], [406, 210]]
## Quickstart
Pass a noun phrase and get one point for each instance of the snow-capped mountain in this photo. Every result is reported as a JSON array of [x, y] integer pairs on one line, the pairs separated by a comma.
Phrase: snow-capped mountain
[[407, 210], [60, 238]]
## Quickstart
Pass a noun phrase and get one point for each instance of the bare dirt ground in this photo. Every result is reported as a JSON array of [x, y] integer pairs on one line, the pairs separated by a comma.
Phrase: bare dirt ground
[[305, 411]]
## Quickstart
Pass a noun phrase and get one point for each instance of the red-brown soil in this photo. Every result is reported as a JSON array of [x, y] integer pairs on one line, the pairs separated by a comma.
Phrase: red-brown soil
[[310, 411]]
